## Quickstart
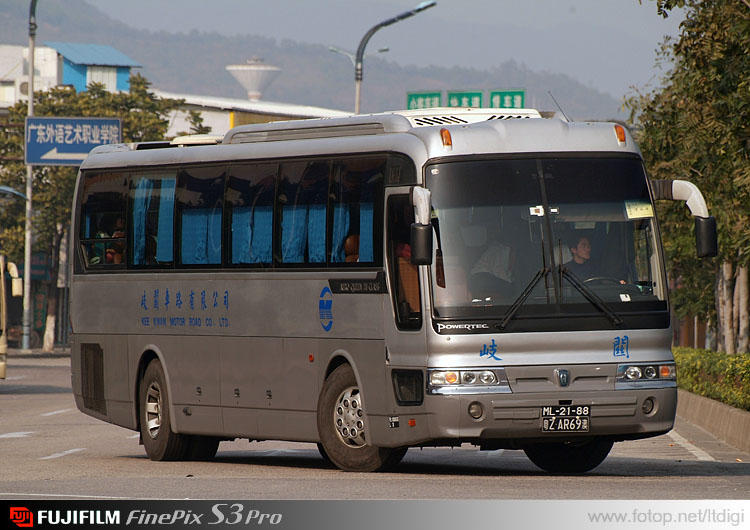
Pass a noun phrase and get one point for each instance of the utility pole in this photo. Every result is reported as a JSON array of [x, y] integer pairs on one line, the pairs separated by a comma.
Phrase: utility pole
[[25, 341]]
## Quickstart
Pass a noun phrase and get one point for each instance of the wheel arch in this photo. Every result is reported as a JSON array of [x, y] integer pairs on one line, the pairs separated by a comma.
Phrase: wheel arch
[[150, 353]]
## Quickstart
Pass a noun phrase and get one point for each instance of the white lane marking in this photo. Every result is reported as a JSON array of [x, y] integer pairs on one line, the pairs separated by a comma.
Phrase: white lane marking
[[64, 453], [134, 436], [15, 378], [55, 412], [3, 493], [697, 452], [16, 435]]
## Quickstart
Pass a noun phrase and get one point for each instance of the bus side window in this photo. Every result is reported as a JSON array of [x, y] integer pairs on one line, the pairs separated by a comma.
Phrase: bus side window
[[302, 201], [356, 198], [102, 223], [249, 207], [152, 218], [404, 275], [200, 197]]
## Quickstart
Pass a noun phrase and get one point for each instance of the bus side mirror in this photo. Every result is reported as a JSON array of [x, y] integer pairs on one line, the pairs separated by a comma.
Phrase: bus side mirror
[[706, 245], [421, 244]]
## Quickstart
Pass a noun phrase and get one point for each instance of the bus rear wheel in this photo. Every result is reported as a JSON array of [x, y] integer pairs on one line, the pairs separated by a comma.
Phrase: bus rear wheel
[[569, 457], [160, 442], [342, 430]]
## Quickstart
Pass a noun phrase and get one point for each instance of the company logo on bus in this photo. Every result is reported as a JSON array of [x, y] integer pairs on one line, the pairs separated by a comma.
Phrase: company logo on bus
[[325, 308]]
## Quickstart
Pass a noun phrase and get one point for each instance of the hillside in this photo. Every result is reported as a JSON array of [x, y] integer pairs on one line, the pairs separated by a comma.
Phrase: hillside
[[195, 63]]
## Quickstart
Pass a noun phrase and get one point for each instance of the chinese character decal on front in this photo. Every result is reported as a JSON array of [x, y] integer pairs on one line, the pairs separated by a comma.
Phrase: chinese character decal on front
[[490, 351], [620, 347]]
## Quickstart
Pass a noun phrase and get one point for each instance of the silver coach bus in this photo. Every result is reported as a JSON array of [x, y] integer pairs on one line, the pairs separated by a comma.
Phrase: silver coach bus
[[375, 283]]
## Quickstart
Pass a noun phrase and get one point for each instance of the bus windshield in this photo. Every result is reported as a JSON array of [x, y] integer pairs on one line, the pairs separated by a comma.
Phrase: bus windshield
[[527, 238]]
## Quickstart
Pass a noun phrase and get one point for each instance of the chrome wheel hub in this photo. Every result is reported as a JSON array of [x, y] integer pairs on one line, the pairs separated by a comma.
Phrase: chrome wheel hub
[[153, 410], [348, 417]]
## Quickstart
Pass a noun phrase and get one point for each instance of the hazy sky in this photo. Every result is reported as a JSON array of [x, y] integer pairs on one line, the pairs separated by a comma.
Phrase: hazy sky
[[607, 44]]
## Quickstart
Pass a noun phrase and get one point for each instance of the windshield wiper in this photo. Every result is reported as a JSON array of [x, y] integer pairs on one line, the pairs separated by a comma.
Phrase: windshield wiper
[[519, 301], [591, 296]]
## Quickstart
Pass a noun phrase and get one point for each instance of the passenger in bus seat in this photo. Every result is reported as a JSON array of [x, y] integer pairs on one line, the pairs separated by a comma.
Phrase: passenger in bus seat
[[351, 248], [493, 271]]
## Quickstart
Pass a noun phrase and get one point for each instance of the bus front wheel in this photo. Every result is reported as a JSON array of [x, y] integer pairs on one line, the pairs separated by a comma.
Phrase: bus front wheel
[[341, 426], [160, 441], [569, 457]]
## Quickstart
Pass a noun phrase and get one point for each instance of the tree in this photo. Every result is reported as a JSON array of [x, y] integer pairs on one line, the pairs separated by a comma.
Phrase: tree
[[144, 117], [697, 126]]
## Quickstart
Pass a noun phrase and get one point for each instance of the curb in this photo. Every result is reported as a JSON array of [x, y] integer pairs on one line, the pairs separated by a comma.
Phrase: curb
[[727, 423]]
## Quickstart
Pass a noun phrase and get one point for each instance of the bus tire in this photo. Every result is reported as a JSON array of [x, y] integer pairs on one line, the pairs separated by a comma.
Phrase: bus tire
[[201, 448], [569, 457], [160, 442], [323, 454], [341, 426]]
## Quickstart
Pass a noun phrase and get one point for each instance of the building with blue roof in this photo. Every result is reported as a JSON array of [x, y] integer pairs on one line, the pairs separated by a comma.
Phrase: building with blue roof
[[83, 64], [61, 63]]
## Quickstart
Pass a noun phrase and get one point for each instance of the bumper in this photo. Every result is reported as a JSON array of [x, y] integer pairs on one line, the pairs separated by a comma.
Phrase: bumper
[[515, 420]]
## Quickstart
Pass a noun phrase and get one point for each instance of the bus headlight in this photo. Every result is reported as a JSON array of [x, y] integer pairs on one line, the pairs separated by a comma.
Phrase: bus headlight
[[646, 375], [475, 381], [633, 372], [487, 378]]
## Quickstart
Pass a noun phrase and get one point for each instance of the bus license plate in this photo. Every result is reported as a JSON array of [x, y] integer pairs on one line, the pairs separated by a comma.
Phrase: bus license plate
[[565, 418]]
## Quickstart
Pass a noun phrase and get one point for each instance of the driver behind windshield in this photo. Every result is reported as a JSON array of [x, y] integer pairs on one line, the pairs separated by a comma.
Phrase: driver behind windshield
[[581, 265]]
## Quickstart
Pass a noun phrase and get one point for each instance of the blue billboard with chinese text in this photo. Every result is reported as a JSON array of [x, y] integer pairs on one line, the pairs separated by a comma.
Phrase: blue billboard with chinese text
[[54, 141]]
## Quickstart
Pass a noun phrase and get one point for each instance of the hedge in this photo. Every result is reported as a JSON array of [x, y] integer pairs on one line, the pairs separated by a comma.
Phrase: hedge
[[715, 375]]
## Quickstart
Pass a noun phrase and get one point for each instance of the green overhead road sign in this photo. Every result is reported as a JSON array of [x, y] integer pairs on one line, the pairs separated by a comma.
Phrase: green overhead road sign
[[471, 98], [507, 99], [423, 100]]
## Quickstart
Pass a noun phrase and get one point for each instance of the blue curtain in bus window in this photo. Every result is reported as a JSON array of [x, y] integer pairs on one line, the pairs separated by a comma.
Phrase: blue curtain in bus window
[[165, 233], [242, 234], [294, 233], [201, 236], [340, 231], [262, 241], [316, 237], [213, 249], [194, 237], [140, 210], [365, 233]]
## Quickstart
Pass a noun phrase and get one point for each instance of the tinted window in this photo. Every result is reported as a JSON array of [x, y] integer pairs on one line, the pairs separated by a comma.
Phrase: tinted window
[[249, 200], [357, 199], [152, 218], [200, 197], [302, 199], [102, 223]]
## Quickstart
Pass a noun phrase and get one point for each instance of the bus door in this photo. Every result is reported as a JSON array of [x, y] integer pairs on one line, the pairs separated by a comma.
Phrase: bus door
[[404, 306]]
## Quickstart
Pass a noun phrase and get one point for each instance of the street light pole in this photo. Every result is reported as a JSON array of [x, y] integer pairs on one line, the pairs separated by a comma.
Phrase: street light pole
[[25, 341], [351, 55], [361, 48]]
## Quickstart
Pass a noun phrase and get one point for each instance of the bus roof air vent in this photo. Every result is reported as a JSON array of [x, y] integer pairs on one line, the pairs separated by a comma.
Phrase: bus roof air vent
[[439, 120], [457, 116]]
